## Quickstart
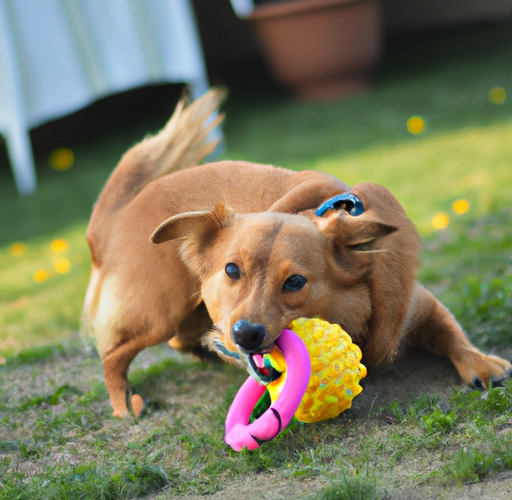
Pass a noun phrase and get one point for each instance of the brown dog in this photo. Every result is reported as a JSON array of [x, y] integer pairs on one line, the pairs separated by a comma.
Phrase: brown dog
[[242, 250]]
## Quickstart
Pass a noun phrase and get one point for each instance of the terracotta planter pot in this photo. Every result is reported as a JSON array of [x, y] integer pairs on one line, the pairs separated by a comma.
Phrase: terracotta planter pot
[[320, 49]]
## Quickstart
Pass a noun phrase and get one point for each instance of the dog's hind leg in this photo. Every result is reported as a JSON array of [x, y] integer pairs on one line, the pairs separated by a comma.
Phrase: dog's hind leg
[[115, 370], [117, 356], [120, 335], [434, 328]]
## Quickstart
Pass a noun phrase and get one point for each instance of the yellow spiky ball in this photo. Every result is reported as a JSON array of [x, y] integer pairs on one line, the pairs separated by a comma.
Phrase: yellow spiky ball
[[336, 370]]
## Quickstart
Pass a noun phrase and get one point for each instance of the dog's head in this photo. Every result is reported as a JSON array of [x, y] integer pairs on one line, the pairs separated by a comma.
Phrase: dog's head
[[258, 272]]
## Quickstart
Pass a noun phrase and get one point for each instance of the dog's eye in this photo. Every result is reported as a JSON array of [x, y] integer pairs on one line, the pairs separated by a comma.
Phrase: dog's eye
[[294, 283], [233, 271]]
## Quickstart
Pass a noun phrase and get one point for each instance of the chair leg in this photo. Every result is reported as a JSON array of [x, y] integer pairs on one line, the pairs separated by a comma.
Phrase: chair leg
[[22, 162]]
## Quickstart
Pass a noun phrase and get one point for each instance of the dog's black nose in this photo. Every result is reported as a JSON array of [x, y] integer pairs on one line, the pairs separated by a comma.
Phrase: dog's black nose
[[248, 336]]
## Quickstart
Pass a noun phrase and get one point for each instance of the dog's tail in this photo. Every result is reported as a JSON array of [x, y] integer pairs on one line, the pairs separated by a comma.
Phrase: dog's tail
[[182, 143], [186, 138]]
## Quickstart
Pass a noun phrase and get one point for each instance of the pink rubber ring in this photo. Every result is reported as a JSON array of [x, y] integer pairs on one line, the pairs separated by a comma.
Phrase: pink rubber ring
[[239, 432]]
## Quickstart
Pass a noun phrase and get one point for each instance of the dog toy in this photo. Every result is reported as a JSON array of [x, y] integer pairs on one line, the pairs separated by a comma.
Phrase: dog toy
[[319, 369]]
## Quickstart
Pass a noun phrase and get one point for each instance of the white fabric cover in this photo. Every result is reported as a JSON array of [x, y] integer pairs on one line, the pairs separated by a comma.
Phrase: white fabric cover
[[57, 56]]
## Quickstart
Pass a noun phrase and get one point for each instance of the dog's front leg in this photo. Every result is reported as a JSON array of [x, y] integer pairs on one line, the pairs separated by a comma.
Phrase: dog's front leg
[[433, 327]]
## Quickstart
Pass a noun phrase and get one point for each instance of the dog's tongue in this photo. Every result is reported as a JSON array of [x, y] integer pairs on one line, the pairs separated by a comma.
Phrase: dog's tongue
[[259, 361]]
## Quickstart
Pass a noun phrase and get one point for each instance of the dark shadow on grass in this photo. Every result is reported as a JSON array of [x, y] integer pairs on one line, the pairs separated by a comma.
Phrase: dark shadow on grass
[[412, 375]]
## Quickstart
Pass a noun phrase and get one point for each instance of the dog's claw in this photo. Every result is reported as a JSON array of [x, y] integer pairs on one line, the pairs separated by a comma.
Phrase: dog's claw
[[497, 381], [478, 384]]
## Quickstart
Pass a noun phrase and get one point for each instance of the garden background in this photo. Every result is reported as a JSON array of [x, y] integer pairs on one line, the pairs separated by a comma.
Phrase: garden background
[[436, 129]]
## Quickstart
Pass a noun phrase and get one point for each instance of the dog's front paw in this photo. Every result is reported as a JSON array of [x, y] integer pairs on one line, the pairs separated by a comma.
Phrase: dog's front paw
[[495, 381], [484, 371]]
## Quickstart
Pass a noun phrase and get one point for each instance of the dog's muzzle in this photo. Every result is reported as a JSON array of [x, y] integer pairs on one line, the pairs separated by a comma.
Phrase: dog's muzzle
[[248, 336], [249, 339]]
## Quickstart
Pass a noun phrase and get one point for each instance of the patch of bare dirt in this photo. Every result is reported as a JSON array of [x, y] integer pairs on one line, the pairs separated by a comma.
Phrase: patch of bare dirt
[[411, 375]]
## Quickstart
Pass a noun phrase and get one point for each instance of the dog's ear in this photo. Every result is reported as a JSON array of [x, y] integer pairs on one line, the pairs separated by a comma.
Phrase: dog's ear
[[195, 225], [349, 222], [185, 225], [357, 233], [196, 233], [357, 225]]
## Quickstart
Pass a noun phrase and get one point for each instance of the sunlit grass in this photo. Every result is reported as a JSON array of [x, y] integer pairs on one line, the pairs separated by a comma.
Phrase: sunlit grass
[[42, 289], [430, 174]]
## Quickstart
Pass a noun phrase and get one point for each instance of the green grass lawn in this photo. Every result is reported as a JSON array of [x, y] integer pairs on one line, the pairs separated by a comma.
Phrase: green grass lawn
[[52, 400]]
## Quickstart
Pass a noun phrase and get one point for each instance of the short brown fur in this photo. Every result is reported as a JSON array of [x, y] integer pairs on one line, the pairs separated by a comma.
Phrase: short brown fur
[[360, 271]]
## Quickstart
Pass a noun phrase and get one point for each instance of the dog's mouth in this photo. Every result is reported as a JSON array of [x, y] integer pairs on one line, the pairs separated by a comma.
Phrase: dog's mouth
[[260, 368], [256, 363]]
